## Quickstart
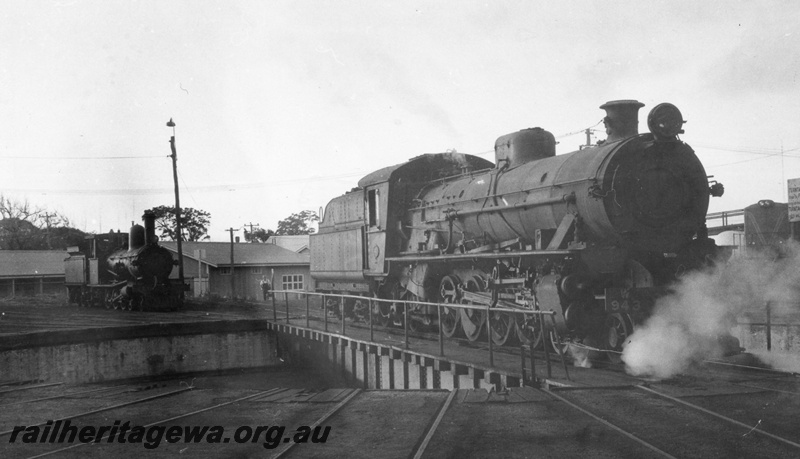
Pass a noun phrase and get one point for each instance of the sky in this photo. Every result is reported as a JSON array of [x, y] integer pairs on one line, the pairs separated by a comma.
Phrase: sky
[[281, 106]]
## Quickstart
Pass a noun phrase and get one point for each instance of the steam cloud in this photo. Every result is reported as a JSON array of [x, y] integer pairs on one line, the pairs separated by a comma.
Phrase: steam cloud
[[686, 326]]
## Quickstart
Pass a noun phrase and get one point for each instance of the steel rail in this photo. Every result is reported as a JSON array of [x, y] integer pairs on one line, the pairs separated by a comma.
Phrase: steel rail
[[162, 421], [37, 386], [106, 408], [750, 367], [319, 421], [767, 389], [610, 425], [69, 394], [717, 415], [432, 430]]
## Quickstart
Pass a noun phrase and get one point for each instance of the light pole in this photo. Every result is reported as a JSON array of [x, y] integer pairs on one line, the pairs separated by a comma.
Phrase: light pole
[[233, 279], [178, 230]]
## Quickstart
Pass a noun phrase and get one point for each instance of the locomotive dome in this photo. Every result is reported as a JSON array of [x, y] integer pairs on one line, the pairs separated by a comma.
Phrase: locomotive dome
[[523, 146]]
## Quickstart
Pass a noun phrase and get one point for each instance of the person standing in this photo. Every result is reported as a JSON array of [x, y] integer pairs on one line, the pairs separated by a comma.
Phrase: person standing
[[265, 287]]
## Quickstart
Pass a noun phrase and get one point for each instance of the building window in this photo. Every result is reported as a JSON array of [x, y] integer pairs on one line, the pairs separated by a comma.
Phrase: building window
[[255, 270], [292, 282], [225, 271]]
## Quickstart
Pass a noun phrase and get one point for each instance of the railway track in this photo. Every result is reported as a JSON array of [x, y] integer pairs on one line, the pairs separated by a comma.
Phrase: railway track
[[713, 411], [625, 421], [340, 411], [674, 427]]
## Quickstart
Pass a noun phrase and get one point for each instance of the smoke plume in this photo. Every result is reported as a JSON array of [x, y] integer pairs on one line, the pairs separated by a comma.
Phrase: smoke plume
[[694, 321]]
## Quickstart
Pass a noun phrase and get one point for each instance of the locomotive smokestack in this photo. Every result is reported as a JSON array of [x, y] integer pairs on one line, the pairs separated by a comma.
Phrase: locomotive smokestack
[[149, 219], [622, 119]]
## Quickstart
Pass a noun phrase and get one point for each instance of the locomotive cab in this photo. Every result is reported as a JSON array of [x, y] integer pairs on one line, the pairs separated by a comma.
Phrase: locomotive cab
[[376, 202]]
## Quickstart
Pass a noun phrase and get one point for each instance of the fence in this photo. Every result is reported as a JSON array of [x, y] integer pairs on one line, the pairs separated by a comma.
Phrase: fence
[[772, 326], [545, 328]]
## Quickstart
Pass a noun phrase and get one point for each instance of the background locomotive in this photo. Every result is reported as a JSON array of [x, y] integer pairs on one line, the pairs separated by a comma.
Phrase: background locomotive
[[123, 271], [760, 230], [594, 235]]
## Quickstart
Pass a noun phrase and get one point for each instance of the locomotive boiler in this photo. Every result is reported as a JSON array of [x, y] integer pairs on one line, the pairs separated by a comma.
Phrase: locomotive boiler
[[123, 271], [595, 235]]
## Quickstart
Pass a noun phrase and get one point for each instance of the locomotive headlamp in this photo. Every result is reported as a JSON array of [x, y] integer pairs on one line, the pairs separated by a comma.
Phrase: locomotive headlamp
[[665, 121]]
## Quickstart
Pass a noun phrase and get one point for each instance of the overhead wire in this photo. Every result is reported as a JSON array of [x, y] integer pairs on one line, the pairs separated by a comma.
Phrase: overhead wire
[[766, 152], [779, 154], [83, 157], [581, 131], [763, 152]]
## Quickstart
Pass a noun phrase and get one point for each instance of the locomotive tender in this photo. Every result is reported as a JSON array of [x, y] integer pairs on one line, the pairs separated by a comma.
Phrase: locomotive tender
[[128, 271], [595, 235]]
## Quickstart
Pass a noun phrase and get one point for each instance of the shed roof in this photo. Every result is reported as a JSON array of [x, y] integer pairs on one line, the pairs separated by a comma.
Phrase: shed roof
[[295, 243], [244, 254], [32, 263]]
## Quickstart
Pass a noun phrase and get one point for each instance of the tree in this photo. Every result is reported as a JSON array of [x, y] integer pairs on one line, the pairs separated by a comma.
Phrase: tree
[[194, 223], [27, 227], [63, 237], [18, 234], [258, 235], [297, 223]]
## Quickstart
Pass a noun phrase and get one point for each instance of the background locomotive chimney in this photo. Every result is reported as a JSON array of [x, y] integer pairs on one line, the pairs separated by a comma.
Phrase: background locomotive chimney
[[622, 119], [149, 219]]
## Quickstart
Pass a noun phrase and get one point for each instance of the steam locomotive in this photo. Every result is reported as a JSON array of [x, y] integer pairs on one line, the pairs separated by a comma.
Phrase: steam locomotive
[[596, 235], [123, 271]]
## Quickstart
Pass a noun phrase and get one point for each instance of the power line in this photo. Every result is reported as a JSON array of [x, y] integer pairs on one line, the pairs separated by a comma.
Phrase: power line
[[196, 189], [738, 162], [580, 131], [83, 157], [760, 151], [764, 153]]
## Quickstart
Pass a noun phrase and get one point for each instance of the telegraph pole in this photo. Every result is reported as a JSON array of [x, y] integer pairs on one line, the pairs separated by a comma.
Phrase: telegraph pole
[[233, 284], [251, 225], [174, 157]]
